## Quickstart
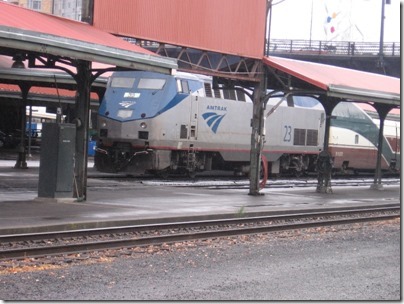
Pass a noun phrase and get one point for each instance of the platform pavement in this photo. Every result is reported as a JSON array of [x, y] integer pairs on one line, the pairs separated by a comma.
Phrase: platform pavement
[[112, 202]]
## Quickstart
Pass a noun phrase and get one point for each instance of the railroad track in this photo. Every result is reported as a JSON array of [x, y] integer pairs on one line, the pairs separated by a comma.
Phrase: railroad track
[[271, 184], [79, 241]]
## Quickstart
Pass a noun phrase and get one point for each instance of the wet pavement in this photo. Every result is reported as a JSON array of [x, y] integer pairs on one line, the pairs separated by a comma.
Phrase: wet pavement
[[112, 201]]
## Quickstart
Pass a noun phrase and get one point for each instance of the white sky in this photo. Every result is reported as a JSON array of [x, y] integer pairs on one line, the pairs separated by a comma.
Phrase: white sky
[[353, 20]]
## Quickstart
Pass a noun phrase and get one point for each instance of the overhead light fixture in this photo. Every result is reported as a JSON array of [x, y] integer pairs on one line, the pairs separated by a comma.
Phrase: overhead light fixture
[[18, 62]]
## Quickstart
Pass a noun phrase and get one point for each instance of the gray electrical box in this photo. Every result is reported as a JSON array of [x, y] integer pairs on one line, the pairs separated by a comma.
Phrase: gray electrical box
[[57, 160]]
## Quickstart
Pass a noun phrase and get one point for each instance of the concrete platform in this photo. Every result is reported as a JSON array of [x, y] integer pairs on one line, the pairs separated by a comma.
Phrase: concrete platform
[[112, 202]]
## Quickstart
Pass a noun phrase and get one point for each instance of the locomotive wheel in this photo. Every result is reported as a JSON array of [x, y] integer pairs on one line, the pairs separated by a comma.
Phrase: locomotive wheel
[[162, 173], [103, 163], [191, 174]]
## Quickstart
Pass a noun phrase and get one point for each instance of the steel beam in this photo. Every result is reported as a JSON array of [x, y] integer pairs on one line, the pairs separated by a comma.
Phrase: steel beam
[[82, 118], [382, 110], [257, 134], [21, 162]]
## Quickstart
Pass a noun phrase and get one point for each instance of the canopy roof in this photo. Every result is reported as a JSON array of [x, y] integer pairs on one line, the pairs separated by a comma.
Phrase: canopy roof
[[27, 30], [340, 82]]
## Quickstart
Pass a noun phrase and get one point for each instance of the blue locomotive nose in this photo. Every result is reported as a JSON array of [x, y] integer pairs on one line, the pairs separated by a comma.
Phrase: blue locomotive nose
[[132, 96]]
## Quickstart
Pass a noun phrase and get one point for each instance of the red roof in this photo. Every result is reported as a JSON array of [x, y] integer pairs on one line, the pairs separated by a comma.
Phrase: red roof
[[26, 19], [337, 80], [370, 108]]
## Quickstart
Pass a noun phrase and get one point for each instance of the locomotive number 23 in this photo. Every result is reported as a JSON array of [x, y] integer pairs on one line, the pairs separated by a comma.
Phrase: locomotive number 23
[[288, 134]]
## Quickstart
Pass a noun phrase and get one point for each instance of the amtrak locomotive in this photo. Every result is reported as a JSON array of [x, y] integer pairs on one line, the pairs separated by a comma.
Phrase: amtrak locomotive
[[161, 124]]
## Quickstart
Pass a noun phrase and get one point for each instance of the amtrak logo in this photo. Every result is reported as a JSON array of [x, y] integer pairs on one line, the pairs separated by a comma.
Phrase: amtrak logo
[[213, 120], [127, 104], [131, 95]]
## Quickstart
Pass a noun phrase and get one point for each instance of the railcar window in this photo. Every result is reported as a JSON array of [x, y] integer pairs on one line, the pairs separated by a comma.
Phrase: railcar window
[[151, 84], [122, 82]]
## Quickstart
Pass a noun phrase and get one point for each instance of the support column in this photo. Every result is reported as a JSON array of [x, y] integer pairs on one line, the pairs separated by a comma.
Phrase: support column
[[257, 124], [382, 110], [21, 162], [324, 161], [81, 120]]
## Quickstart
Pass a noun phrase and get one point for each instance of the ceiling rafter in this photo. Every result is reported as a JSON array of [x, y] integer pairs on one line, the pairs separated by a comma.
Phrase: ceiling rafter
[[205, 62]]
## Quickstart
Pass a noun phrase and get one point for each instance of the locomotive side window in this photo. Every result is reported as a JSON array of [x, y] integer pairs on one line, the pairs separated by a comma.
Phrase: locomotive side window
[[182, 86], [122, 82], [151, 84], [229, 94], [185, 86], [240, 95], [217, 93]]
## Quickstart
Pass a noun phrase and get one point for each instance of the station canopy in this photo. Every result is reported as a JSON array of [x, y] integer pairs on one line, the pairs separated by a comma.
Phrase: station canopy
[[48, 35], [348, 84]]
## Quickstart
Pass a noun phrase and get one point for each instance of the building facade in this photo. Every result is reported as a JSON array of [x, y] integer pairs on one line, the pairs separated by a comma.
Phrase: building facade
[[71, 9]]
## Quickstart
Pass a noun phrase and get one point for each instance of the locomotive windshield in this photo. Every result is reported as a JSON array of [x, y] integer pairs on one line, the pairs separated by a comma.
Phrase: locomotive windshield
[[151, 83], [122, 82]]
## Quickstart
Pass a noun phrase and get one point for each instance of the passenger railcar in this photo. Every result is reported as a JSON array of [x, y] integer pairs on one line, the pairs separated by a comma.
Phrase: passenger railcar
[[354, 137], [157, 123]]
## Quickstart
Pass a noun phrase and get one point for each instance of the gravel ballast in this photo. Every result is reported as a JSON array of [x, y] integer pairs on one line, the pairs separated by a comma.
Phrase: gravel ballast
[[349, 262]]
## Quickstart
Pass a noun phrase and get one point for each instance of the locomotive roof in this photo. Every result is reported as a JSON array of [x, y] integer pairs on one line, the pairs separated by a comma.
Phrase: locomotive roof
[[200, 77]]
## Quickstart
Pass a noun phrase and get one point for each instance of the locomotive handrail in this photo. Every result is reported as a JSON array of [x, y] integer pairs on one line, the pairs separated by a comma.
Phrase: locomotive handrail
[[319, 47]]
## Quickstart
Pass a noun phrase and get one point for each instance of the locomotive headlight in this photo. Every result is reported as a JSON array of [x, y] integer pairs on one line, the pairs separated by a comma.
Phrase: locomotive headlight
[[103, 124], [143, 125]]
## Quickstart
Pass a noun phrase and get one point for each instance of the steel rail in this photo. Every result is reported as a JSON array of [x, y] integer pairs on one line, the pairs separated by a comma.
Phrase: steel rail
[[193, 223], [297, 183], [155, 240]]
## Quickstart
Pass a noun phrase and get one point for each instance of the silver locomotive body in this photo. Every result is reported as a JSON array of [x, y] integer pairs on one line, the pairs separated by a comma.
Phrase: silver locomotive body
[[161, 124]]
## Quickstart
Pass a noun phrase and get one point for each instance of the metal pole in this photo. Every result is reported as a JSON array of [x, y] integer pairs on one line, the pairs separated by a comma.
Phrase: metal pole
[[381, 57], [81, 120], [377, 183], [21, 162], [382, 110], [269, 20], [30, 130], [311, 22], [257, 124], [324, 161]]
